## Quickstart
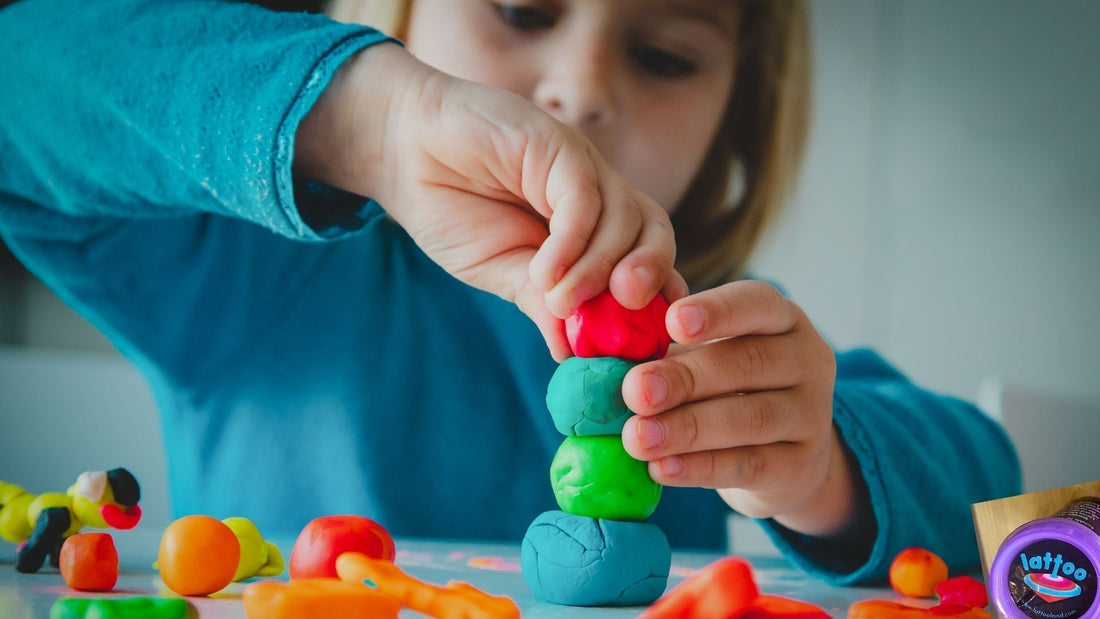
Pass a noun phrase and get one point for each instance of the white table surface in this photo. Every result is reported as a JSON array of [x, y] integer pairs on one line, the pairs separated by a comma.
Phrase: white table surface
[[29, 596]]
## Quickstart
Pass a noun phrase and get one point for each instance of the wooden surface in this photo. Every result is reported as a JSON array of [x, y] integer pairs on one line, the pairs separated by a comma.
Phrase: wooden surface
[[492, 567]]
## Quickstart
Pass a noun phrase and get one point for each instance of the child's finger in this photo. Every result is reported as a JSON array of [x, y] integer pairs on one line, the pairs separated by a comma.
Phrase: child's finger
[[573, 197], [732, 310], [510, 281], [637, 278], [552, 328], [755, 468], [737, 365], [718, 423], [616, 233], [675, 287]]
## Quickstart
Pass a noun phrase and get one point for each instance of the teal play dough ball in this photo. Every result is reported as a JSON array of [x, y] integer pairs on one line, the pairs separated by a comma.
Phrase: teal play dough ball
[[580, 561], [585, 396], [594, 476]]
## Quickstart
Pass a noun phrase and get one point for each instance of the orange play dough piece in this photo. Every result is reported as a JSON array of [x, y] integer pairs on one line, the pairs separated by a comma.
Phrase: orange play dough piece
[[778, 607], [198, 555], [915, 572], [89, 562], [883, 609], [305, 598], [457, 600]]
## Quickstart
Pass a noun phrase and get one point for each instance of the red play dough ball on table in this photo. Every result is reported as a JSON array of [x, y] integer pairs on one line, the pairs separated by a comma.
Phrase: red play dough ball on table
[[325, 538], [963, 590], [601, 327], [89, 562]]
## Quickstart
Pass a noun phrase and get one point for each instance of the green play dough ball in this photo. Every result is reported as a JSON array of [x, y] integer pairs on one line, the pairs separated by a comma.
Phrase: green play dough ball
[[593, 476], [585, 396]]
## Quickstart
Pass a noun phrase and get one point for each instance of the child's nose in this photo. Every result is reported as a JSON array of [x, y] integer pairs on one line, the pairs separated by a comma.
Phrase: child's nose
[[579, 90]]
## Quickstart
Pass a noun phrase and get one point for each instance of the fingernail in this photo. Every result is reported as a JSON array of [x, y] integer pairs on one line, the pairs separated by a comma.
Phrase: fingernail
[[691, 319], [580, 295], [672, 465], [644, 277], [650, 432], [656, 388]]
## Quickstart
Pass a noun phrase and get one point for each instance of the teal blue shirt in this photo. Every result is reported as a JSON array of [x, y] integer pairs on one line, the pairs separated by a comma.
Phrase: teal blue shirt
[[306, 357]]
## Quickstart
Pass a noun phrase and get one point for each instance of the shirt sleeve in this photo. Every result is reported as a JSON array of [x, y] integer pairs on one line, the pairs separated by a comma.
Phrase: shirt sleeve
[[123, 109], [925, 458]]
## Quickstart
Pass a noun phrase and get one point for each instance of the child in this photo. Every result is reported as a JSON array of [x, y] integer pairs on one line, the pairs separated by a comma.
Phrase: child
[[163, 174]]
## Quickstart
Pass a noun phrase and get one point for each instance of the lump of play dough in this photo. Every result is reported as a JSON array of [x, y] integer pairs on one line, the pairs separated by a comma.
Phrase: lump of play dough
[[89, 562], [580, 561], [198, 555], [916, 571], [601, 327], [594, 476], [327, 537], [122, 608], [316, 597], [585, 396]]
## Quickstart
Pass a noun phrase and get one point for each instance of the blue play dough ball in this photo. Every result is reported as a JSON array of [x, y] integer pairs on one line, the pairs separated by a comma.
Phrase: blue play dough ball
[[580, 561], [585, 396]]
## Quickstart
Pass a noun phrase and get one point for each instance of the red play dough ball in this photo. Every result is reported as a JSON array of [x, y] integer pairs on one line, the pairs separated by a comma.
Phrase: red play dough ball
[[325, 538], [89, 562], [962, 590], [601, 327]]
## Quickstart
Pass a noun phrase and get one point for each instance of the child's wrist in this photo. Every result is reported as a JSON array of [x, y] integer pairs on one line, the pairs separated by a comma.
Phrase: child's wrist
[[838, 505], [342, 140]]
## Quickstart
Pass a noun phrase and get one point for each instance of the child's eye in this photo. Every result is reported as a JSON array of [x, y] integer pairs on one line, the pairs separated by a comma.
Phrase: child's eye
[[524, 17], [661, 63]]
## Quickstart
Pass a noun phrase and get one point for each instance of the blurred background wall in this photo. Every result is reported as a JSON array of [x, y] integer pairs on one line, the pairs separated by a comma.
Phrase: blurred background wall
[[949, 211], [948, 216]]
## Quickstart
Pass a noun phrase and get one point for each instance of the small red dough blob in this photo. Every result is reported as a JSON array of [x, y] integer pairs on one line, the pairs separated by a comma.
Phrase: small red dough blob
[[325, 538], [963, 590], [89, 562], [725, 588], [601, 327]]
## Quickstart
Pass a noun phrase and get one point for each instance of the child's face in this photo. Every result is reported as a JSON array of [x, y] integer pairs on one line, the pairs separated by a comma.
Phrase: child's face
[[646, 81]]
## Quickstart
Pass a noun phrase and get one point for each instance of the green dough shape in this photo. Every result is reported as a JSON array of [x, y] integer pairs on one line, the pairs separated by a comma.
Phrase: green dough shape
[[585, 396], [593, 476], [124, 608]]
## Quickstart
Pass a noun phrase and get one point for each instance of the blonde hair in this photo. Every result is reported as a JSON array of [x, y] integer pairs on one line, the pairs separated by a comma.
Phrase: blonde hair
[[754, 158], [389, 16]]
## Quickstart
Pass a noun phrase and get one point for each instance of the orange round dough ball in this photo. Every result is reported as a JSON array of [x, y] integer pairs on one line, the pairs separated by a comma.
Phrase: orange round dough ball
[[915, 572], [89, 562], [198, 555]]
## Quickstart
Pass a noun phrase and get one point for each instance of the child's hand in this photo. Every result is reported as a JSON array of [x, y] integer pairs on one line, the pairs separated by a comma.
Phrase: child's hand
[[493, 189], [745, 406]]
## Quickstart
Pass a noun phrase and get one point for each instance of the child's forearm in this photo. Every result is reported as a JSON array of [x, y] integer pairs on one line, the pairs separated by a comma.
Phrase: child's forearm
[[341, 141]]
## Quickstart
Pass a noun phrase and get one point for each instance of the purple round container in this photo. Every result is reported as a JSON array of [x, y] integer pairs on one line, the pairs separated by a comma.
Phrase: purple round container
[[1046, 568]]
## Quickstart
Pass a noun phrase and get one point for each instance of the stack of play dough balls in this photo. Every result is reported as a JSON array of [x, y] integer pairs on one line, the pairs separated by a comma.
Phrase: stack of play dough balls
[[598, 551]]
